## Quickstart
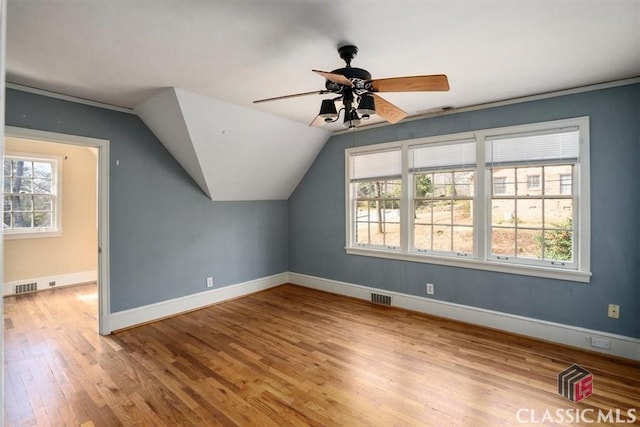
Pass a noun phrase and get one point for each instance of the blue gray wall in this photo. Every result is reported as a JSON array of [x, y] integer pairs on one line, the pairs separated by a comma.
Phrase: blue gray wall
[[166, 236], [317, 219]]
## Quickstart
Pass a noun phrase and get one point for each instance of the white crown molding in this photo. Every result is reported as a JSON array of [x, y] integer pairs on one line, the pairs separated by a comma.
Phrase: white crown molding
[[70, 98]]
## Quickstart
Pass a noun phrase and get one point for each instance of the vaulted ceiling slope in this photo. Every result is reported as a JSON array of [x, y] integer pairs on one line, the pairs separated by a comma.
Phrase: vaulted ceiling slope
[[232, 152]]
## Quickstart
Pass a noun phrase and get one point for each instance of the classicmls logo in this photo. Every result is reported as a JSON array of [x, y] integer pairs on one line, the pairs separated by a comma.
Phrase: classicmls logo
[[575, 383]]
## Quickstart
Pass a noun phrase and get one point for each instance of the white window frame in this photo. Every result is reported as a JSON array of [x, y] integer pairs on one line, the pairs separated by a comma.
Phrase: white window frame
[[579, 270], [56, 184]]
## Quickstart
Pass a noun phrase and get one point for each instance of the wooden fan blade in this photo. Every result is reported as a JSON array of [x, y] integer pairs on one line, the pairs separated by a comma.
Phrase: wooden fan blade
[[435, 82], [315, 92], [387, 110], [336, 78]]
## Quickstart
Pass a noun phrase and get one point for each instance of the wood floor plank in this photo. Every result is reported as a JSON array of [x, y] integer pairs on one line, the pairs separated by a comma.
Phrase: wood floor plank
[[289, 356]]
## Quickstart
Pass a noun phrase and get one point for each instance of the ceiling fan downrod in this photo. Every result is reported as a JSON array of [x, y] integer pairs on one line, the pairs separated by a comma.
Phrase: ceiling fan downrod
[[347, 53]]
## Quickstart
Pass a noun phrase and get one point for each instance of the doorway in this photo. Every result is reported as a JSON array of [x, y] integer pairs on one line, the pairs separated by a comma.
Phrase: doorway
[[100, 149]]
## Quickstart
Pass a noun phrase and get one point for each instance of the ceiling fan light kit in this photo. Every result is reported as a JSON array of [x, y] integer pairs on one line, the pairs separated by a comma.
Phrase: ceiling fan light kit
[[328, 109], [353, 84]]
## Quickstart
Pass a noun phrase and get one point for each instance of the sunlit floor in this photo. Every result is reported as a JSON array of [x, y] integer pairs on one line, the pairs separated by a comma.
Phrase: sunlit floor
[[288, 356]]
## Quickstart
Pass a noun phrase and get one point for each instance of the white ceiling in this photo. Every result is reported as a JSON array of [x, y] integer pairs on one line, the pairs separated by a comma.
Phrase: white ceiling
[[124, 52]]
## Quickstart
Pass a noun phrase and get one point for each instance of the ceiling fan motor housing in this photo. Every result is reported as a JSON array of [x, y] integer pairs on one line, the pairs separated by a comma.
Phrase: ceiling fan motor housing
[[351, 73]]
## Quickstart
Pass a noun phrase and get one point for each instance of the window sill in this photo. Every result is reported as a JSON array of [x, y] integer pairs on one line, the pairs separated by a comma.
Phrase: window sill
[[15, 235], [525, 270]]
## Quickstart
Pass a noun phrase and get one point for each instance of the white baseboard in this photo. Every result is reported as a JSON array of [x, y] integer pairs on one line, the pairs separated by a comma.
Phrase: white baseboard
[[61, 280], [622, 346], [136, 316]]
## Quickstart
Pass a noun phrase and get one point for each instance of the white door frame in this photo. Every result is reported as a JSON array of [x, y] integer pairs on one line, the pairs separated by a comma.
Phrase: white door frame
[[102, 145]]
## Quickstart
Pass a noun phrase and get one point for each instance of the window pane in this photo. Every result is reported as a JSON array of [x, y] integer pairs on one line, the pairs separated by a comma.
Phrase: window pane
[[503, 181], [42, 203], [463, 239], [22, 185], [7, 203], [22, 220], [557, 212], [529, 243], [42, 219], [529, 181], [463, 184], [529, 213], [463, 212], [441, 182], [23, 168], [558, 244], [21, 203], [7, 185], [41, 185], [377, 210], [503, 212], [391, 223], [503, 241], [7, 167], [442, 238], [553, 180], [422, 212], [390, 189], [7, 220], [423, 184], [442, 212], [42, 170], [422, 237], [362, 233]]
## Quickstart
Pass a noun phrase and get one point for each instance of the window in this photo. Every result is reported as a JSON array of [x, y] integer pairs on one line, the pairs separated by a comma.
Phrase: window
[[533, 182], [443, 176], [512, 199], [565, 184], [31, 205], [377, 181], [499, 185]]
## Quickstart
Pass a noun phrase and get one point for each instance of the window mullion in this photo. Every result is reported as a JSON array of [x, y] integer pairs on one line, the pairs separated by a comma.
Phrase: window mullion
[[482, 202], [406, 202]]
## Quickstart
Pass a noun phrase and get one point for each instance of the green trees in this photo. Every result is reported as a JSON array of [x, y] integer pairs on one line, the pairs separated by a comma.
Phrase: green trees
[[557, 243], [424, 185]]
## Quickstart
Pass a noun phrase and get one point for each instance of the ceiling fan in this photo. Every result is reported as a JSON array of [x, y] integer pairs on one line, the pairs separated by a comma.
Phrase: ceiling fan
[[358, 92]]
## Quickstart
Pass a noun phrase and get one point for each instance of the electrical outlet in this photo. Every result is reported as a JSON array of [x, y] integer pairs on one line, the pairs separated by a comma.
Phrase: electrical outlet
[[430, 289], [209, 282], [614, 311]]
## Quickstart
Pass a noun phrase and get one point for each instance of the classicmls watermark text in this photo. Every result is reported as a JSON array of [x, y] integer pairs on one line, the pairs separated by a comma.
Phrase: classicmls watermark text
[[576, 384]]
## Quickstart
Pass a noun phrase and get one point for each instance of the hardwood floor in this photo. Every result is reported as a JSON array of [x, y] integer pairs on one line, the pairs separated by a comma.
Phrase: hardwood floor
[[289, 356]]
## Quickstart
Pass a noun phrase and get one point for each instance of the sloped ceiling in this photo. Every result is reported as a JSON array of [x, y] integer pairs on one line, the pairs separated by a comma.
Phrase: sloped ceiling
[[224, 54], [232, 152]]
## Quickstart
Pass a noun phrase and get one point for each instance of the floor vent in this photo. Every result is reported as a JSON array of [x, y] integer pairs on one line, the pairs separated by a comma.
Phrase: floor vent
[[25, 287], [381, 299]]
